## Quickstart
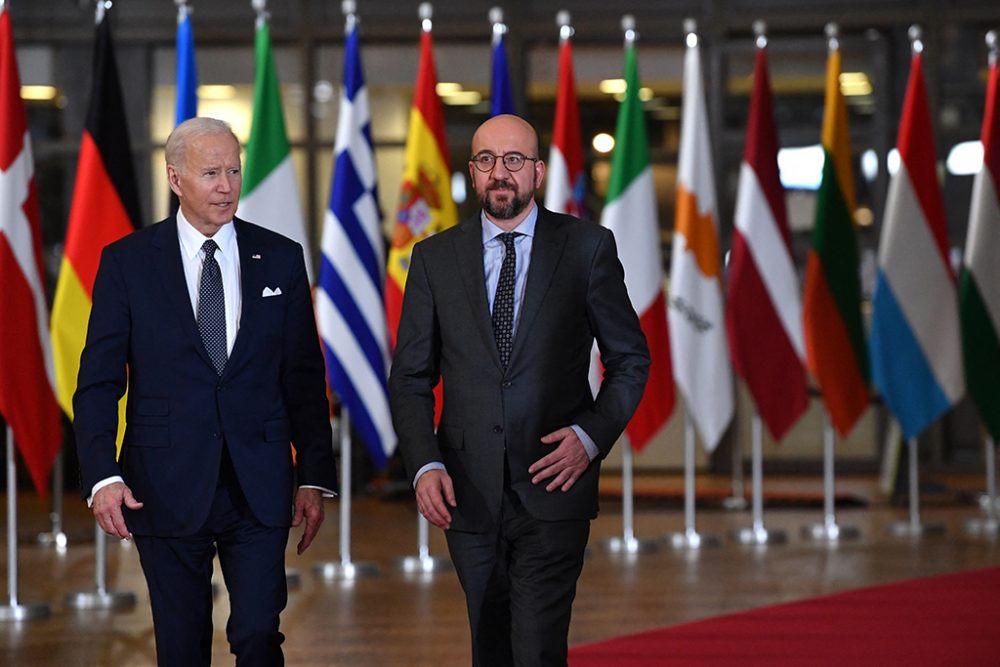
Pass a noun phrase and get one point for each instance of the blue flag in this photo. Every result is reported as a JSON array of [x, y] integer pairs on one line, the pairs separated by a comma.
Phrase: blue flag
[[350, 295], [187, 74], [501, 99]]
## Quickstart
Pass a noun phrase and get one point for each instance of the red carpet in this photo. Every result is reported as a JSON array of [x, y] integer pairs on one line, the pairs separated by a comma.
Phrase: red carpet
[[949, 620]]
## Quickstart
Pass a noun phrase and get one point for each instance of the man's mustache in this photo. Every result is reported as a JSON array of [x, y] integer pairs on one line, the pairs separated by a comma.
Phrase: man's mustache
[[501, 185]]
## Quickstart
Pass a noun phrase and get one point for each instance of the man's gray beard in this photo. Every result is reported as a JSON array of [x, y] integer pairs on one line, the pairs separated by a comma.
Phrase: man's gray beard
[[507, 210]]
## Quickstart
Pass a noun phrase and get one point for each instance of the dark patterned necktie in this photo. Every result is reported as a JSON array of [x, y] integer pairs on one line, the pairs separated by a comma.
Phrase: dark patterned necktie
[[503, 301], [212, 308]]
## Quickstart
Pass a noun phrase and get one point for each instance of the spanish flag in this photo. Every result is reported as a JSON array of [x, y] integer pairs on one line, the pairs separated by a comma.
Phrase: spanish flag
[[105, 207], [425, 203], [834, 332]]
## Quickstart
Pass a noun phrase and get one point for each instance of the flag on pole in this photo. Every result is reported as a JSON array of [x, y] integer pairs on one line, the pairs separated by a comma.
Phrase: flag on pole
[[979, 289], [350, 307], [187, 72], [270, 195], [697, 329], [630, 212], [501, 98], [27, 378], [105, 207], [425, 203], [763, 309], [915, 341], [834, 333], [564, 190]]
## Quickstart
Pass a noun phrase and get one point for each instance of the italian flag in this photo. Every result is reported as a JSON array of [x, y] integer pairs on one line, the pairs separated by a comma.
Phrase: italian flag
[[630, 212], [834, 333], [270, 196], [979, 289]]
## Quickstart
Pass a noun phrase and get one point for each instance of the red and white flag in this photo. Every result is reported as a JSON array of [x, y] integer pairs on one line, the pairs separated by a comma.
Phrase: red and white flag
[[565, 189], [27, 380], [764, 308]]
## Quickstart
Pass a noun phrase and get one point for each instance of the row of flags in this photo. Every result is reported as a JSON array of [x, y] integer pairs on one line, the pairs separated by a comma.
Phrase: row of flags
[[756, 324]]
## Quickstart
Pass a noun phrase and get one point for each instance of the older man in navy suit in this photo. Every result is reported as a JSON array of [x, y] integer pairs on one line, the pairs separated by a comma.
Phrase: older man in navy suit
[[207, 321]]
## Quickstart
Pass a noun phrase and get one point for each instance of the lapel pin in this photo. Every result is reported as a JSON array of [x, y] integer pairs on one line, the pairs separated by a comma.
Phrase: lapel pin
[[255, 256]]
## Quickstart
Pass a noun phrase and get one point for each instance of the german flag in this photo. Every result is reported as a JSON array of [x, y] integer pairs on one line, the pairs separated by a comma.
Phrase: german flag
[[105, 207]]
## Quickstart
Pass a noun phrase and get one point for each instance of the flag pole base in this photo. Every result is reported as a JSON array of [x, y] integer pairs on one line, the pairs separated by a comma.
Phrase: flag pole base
[[24, 612], [345, 570], [982, 527], [423, 564], [84, 600], [830, 532], [911, 529], [985, 500], [54, 539], [630, 545], [691, 540], [734, 503], [759, 536]]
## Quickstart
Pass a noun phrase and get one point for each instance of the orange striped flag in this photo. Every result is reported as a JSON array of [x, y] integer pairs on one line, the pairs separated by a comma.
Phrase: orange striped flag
[[105, 207]]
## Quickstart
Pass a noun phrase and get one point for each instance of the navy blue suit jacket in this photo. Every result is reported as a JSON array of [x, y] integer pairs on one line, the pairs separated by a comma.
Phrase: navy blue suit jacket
[[143, 335]]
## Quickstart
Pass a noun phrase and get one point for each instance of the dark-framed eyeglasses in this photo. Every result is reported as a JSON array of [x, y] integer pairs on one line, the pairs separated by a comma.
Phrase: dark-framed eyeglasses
[[511, 161]]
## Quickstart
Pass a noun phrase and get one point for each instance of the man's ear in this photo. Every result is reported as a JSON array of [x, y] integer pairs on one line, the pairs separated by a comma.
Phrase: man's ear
[[539, 173], [173, 178]]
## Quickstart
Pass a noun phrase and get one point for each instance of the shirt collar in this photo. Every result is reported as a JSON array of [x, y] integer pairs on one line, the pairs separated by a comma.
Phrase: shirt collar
[[191, 239], [527, 226]]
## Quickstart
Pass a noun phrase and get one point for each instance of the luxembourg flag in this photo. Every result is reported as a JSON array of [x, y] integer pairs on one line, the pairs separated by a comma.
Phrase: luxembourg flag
[[564, 192], [915, 344]]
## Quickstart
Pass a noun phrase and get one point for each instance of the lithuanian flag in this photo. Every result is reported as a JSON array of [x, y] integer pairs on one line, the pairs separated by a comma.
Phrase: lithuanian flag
[[834, 335], [105, 207], [425, 203]]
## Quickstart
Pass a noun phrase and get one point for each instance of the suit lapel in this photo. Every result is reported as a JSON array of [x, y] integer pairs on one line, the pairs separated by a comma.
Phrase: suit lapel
[[171, 271], [546, 249], [469, 252], [252, 263]]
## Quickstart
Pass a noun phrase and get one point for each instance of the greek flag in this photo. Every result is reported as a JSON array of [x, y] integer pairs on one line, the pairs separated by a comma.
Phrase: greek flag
[[350, 308]]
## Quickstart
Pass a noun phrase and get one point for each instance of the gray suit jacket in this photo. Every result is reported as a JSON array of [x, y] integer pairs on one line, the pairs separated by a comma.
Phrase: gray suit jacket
[[575, 293]]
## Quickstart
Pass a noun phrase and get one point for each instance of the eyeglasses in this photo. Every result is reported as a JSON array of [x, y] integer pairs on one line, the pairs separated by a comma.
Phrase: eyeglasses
[[511, 161]]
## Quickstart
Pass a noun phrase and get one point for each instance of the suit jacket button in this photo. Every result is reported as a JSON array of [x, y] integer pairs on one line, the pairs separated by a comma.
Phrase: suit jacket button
[[498, 429]]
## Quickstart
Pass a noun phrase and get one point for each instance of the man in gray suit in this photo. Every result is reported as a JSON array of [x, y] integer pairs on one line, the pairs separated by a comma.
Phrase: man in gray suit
[[504, 309]]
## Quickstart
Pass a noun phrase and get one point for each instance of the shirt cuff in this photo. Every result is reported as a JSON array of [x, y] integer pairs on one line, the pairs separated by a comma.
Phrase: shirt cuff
[[433, 465], [327, 493], [588, 443], [107, 481]]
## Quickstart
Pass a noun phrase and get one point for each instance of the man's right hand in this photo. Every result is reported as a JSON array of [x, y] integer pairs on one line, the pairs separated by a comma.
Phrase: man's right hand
[[434, 495], [107, 506]]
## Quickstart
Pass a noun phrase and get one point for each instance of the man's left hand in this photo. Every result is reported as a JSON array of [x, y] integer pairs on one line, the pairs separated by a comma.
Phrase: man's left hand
[[565, 463], [308, 504]]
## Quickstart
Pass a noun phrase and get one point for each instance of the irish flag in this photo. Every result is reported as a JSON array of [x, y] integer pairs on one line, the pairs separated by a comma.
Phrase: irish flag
[[630, 212], [564, 178], [834, 333], [425, 203], [270, 195], [697, 330], [915, 341], [979, 289], [763, 310], [105, 207]]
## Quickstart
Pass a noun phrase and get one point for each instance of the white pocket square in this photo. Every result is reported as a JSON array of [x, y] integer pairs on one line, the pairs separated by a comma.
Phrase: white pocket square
[[271, 292]]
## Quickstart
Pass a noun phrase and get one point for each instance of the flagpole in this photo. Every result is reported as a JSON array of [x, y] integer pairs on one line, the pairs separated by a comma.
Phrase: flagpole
[[56, 537], [829, 530], [628, 543], [14, 610], [757, 534], [690, 538]]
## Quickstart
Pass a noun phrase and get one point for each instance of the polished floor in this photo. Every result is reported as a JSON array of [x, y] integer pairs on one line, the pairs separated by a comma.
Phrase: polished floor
[[395, 618]]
